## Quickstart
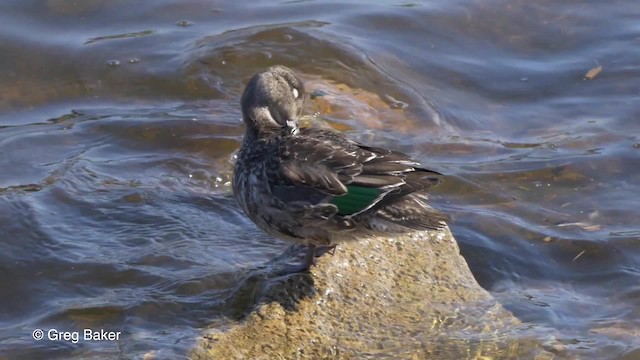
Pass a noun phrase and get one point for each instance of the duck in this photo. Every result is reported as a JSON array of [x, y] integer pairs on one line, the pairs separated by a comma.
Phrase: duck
[[314, 185]]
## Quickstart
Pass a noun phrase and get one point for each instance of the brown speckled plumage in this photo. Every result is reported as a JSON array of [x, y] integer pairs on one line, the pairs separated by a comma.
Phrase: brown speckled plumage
[[316, 186]]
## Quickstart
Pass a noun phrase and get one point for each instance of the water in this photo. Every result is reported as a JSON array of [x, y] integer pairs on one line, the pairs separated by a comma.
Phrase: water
[[119, 119]]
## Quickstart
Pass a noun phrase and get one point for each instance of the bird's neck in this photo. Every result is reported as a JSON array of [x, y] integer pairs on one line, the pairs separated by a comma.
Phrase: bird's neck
[[255, 132]]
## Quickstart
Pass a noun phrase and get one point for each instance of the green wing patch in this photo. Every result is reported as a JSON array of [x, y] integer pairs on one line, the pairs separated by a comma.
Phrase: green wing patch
[[356, 199]]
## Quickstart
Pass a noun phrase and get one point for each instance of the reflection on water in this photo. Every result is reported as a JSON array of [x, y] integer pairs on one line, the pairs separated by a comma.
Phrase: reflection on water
[[118, 122]]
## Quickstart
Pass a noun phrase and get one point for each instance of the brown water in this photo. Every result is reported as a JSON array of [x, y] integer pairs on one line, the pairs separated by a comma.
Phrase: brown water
[[118, 121]]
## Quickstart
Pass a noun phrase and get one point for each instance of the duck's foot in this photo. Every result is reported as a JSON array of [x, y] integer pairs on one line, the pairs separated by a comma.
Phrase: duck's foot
[[289, 269], [315, 251], [323, 249], [312, 253]]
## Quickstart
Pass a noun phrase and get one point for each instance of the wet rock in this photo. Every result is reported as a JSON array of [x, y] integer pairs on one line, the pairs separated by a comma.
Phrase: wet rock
[[340, 102], [406, 297]]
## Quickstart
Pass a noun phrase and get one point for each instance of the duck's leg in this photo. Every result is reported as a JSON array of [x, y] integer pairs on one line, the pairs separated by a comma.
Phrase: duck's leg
[[310, 257], [304, 266], [313, 251], [323, 249]]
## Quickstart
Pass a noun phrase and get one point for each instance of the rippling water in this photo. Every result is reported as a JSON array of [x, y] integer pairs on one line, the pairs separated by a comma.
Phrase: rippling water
[[119, 119]]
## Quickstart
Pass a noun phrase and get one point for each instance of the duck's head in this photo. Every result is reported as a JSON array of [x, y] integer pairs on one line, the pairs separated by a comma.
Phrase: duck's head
[[273, 100]]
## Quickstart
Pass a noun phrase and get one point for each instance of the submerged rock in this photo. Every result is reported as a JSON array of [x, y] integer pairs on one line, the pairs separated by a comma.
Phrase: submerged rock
[[410, 297]]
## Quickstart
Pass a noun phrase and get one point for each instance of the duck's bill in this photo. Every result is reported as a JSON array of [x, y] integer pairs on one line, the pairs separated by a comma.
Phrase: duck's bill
[[292, 124]]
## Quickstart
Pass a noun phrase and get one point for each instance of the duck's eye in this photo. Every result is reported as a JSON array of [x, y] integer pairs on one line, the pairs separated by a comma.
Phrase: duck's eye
[[295, 93]]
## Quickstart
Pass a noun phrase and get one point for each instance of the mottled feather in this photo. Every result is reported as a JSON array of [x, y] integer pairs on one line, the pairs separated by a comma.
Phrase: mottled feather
[[315, 185]]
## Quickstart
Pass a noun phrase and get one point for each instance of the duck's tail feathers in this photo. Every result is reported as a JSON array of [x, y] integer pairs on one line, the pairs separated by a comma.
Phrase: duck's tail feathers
[[411, 212]]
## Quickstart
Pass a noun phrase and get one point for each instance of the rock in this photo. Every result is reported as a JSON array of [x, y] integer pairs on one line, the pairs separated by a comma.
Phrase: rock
[[354, 107], [406, 297]]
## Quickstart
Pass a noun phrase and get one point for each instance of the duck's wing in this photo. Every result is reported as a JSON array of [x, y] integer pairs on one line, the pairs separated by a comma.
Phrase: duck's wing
[[319, 163], [360, 178]]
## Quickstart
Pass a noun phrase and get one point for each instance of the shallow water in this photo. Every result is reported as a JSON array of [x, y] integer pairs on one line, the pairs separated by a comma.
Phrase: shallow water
[[119, 119]]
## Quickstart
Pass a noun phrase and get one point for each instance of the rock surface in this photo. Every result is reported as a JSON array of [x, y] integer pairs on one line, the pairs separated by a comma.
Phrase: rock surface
[[406, 297]]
